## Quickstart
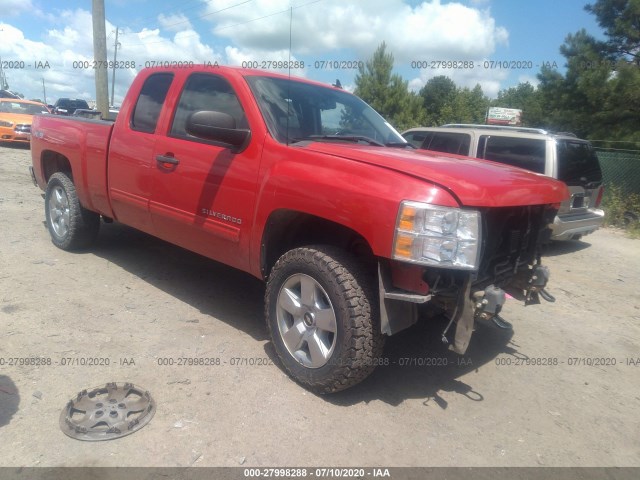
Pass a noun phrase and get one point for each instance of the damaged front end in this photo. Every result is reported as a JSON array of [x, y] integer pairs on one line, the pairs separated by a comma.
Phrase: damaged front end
[[465, 263]]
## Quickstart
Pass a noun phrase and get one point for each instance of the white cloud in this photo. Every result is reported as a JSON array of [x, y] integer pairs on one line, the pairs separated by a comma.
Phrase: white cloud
[[15, 7], [174, 23], [73, 42], [431, 30], [251, 58]]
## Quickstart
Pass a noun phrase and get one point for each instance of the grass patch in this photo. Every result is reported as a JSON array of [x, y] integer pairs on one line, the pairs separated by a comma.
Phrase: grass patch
[[622, 210]]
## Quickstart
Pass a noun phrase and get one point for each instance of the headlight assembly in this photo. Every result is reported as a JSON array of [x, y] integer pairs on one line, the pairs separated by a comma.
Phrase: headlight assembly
[[438, 236]]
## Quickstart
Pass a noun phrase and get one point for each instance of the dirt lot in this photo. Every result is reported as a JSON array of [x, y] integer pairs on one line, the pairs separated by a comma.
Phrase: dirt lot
[[138, 299]]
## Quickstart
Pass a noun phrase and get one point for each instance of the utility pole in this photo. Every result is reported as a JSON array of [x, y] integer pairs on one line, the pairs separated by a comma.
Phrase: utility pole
[[113, 74], [4, 85], [44, 92], [100, 56]]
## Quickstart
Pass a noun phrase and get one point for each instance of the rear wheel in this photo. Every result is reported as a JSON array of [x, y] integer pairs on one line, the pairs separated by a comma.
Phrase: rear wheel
[[71, 226], [322, 315]]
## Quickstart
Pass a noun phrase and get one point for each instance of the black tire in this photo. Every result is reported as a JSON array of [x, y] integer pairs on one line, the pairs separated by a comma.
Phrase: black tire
[[71, 226], [343, 286]]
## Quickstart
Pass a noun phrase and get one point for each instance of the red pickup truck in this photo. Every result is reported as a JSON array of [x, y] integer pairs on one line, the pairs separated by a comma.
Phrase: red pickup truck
[[306, 187]]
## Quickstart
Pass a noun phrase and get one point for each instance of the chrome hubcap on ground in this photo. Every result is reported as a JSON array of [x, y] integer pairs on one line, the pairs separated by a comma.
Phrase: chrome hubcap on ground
[[59, 211], [107, 412], [306, 321]]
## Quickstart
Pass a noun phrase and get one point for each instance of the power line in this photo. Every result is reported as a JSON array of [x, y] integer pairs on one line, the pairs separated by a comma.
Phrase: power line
[[188, 20], [234, 25], [154, 17], [266, 16], [207, 14]]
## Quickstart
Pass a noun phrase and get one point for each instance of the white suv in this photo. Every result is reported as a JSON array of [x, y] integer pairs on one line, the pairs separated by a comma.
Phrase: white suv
[[560, 155]]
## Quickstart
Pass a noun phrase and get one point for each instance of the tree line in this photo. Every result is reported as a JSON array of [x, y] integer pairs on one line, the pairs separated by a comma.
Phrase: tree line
[[597, 97]]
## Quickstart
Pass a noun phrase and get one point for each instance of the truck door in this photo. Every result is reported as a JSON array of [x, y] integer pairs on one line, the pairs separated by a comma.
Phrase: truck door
[[131, 149], [203, 195]]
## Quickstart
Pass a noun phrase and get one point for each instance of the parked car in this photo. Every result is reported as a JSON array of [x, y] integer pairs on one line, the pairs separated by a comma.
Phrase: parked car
[[8, 94], [557, 155], [306, 187], [68, 106], [15, 119]]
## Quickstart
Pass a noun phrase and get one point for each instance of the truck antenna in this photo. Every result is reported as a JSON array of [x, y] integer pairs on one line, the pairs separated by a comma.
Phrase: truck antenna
[[289, 66]]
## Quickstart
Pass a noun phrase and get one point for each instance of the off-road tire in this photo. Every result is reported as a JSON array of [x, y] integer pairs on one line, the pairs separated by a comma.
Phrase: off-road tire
[[71, 226], [350, 288]]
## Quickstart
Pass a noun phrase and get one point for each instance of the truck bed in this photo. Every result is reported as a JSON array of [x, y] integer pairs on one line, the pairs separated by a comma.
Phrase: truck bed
[[85, 144]]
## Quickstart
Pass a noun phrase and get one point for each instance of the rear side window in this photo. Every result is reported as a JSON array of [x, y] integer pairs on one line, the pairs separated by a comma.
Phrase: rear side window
[[147, 110], [457, 143], [577, 163], [525, 153], [206, 92]]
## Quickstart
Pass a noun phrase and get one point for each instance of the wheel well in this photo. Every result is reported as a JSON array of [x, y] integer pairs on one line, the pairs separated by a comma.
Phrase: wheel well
[[288, 229], [53, 162]]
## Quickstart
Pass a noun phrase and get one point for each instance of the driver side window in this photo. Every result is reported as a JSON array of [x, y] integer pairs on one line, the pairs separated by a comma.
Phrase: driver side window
[[206, 92]]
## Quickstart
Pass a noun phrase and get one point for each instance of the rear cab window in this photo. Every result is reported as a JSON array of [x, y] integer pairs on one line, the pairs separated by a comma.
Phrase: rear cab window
[[149, 104], [525, 153]]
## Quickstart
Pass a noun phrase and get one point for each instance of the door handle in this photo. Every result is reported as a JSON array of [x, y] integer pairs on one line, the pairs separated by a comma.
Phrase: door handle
[[167, 159]]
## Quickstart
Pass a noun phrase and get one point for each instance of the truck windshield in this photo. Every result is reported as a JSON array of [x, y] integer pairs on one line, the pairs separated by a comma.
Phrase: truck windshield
[[296, 111], [577, 163]]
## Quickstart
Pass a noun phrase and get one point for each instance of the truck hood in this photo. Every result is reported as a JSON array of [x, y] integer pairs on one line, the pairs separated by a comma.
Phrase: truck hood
[[471, 181]]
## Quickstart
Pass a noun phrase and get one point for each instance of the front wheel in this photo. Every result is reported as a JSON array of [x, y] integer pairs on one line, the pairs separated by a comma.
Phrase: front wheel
[[322, 316], [71, 226]]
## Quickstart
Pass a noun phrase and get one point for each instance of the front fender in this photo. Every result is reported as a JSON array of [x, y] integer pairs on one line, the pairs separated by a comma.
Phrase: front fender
[[362, 197]]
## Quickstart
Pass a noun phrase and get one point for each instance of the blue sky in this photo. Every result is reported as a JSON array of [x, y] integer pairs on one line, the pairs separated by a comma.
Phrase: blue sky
[[235, 31]]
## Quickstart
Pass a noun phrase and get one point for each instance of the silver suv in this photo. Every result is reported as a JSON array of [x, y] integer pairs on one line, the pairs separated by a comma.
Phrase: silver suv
[[558, 155]]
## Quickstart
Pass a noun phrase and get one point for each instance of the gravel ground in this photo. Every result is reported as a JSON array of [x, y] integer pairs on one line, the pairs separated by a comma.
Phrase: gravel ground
[[533, 398]]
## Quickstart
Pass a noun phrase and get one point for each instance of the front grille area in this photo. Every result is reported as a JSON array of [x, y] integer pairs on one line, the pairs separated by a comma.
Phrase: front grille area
[[512, 236]]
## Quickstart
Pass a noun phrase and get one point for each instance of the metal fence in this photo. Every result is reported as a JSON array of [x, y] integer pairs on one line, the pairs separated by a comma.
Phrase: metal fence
[[620, 168]]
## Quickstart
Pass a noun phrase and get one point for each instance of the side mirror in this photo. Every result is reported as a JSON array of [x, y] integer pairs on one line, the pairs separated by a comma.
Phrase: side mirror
[[218, 127]]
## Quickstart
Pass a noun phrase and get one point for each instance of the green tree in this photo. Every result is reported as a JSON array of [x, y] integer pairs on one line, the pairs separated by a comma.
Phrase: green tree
[[578, 100], [470, 105], [444, 102], [598, 95], [438, 96], [387, 92], [620, 19]]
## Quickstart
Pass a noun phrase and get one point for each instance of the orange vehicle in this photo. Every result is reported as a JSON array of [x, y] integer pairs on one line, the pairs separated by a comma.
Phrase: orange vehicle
[[16, 115]]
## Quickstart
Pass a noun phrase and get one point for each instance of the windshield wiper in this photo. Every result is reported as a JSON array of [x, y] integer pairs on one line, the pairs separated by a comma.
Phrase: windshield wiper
[[345, 138], [400, 145]]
